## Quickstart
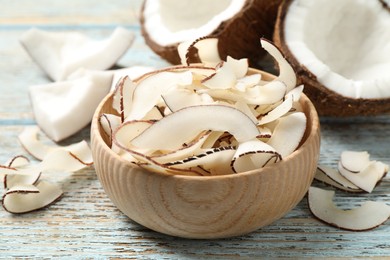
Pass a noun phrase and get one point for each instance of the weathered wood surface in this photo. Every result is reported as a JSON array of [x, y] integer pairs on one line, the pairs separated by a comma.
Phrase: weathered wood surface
[[85, 224]]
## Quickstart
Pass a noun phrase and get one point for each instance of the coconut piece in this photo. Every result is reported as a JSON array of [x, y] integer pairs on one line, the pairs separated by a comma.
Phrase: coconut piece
[[335, 179], [368, 216], [176, 99], [278, 111], [153, 167], [185, 124], [109, 123], [224, 78], [61, 53], [238, 66], [21, 177], [30, 142], [247, 81], [165, 24], [127, 131], [123, 96], [354, 161], [190, 149], [207, 49], [288, 133], [63, 108], [17, 161], [286, 72], [367, 178], [344, 70], [253, 154], [216, 160], [149, 91], [26, 198], [256, 95]]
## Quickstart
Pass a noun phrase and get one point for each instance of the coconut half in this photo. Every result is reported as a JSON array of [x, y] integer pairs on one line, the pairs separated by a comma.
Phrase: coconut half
[[340, 51], [166, 23]]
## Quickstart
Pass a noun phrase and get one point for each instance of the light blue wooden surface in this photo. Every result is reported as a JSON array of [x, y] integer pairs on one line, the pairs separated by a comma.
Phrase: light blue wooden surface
[[85, 224]]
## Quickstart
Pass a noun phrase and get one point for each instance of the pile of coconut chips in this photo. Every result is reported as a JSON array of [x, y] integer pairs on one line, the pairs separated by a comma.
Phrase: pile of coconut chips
[[355, 173], [213, 118]]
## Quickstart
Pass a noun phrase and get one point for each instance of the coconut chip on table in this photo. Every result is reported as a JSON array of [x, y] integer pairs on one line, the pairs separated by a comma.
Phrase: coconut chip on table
[[25, 189], [355, 174], [166, 113]]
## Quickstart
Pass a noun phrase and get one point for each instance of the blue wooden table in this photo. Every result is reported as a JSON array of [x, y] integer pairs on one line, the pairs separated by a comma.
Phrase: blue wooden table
[[85, 224]]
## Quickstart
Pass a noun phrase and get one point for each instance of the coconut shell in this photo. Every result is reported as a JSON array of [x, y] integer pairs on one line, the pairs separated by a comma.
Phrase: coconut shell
[[238, 36], [327, 102]]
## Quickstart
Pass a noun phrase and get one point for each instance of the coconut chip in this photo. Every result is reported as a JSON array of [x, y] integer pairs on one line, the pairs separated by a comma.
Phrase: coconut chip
[[332, 177], [24, 191], [192, 131], [368, 216], [27, 198], [61, 53]]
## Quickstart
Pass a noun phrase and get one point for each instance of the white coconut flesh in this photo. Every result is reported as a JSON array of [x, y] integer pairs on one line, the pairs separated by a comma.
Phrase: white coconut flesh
[[206, 121], [352, 57], [354, 161], [169, 22], [357, 167], [333, 178], [26, 198], [24, 188], [368, 216], [60, 54], [63, 108], [151, 89], [282, 139], [172, 131]]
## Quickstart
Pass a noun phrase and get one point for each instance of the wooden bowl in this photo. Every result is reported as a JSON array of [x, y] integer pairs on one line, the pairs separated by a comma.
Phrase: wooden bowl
[[205, 207]]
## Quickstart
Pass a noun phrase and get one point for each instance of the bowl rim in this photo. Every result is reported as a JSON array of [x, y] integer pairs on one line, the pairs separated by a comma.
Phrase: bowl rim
[[312, 118]]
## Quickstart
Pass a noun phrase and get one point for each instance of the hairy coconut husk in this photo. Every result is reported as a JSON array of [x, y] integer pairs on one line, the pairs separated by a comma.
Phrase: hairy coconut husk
[[327, 102], [238, 36]]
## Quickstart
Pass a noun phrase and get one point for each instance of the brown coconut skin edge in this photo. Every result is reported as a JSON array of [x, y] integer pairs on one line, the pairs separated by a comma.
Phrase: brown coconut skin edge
[[238, 36], [327, 102]]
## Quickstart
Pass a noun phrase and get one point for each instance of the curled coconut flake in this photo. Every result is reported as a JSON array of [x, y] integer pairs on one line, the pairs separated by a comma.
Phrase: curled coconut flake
[[288, 133], [17, 171], [333, 178], [215, 160], [278, 111], [253, 154], [223, 78], [30, 142], [368, 177], [17, 161], [148, 91], [176, 99], [185, 124], [206, 48], [26, 198], [190, 149], [286, 72], [123, 96], [61, 53], [354, 161], [63, 108], [368, 216]]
